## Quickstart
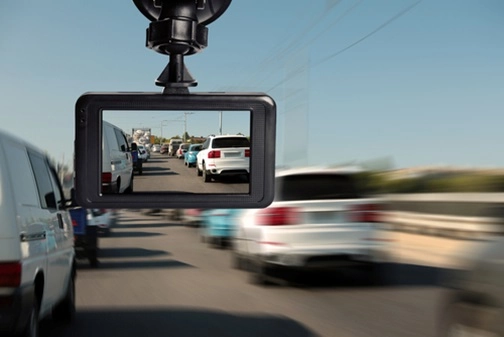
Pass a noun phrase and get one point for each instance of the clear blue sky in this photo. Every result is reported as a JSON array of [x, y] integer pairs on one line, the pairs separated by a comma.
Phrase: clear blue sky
[[425, 88]]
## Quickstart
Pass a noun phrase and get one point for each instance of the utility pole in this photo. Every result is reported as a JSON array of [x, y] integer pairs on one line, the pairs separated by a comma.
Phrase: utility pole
[[185, 125]]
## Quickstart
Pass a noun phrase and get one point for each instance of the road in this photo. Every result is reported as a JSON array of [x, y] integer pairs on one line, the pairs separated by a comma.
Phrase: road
[[163, 173], [156, 278]]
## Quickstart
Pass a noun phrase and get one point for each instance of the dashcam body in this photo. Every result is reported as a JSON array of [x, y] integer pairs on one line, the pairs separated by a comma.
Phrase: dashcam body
[[89, 147]]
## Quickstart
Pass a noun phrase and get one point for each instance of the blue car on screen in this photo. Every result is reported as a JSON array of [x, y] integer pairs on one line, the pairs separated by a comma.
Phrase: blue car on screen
[[217, 226], [190, 155]]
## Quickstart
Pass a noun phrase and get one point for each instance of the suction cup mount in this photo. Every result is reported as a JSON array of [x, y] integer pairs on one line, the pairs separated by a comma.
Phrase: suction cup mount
[[178, 28]]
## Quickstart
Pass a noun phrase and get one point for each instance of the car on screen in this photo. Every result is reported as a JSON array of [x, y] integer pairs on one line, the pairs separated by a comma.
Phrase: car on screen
[[190, 156], [182, 150], [224, 155]]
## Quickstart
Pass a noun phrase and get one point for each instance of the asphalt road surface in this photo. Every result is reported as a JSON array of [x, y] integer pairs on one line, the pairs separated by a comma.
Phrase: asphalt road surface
[[163, 173], [156, 278]]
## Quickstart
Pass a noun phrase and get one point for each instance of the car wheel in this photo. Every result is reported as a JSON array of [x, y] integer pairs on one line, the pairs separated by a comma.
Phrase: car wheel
[[65, 310], [32, 328], [237, 261], [199, 171], [206, 177], [259, 274]]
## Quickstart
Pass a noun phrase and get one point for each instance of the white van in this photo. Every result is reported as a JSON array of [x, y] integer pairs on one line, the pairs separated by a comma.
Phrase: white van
[[37, 257], [117, 161]]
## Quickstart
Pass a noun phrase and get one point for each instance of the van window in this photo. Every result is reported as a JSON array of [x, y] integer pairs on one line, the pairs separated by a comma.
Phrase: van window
[[43, 180], [58, 190], [122, 141], [25, 190]]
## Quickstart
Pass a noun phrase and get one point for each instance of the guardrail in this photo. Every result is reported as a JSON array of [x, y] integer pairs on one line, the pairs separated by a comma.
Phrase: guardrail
[[454, 215]]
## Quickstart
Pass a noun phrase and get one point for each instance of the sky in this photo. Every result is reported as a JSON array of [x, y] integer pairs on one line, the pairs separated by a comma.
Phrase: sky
[[398, 83]]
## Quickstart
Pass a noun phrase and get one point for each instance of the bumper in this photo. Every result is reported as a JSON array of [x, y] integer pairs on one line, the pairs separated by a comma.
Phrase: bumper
[[321, 258], [15, 310], [223, 171]]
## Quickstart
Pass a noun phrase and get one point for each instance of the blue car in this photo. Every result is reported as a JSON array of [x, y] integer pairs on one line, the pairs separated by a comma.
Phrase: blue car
[[218, 226], [190, 155]]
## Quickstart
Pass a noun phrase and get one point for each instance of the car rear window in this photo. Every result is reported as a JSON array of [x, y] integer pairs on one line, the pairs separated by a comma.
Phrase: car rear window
[[220, 143], [316, 187]]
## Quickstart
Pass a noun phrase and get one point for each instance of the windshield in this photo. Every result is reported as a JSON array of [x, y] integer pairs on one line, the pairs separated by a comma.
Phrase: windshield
[[220, 143]]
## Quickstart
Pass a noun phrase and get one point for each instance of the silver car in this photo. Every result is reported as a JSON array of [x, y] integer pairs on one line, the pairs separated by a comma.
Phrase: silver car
[[318, 221]]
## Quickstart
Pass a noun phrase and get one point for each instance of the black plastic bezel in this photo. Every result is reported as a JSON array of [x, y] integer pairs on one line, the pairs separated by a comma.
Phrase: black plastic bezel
[[88, 148]]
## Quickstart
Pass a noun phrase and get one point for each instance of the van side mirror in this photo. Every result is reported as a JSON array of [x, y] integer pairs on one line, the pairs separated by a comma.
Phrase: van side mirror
[[72, 202]]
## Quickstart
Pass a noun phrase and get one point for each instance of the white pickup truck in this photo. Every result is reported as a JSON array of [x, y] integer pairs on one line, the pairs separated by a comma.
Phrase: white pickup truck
[[173, 146]]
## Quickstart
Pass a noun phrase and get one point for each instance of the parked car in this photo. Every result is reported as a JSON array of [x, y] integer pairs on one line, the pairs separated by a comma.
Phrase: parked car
[[164, 149], [173, 146], [217, 226], [143, 153], [37, 257], [117, 161], [137, 160], [317, 221], [102, 219], [224, 155], [156, 148], [181, 151], [190, 156], [85, 235], [192, 216]]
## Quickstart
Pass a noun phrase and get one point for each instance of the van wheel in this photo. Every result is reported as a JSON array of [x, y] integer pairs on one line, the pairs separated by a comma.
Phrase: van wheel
[[65, 310], [32, 327], [130, 187]]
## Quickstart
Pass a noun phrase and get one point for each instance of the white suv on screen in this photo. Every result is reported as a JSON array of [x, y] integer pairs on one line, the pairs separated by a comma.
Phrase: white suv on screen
[[224, 155]]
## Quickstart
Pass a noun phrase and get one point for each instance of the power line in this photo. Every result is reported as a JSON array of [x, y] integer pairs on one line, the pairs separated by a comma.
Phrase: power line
[[388, 22], [385, 24]]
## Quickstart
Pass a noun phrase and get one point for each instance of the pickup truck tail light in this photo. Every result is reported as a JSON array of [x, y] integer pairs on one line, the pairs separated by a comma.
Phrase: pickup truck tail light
[[10, 274], [214, 154], [278, 216], [366, 213]]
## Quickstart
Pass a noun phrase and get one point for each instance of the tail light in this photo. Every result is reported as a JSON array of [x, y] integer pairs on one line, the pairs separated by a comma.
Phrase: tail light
[[74, 223], [10, 274], [106, 177], [214, 154], [278, 216], [366, 213], [247, 153]]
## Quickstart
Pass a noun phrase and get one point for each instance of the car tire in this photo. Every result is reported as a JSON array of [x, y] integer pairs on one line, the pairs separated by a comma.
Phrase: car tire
[[65, 310], [200, 173], [33, 326], [259, 274], [206, 177], [237, 262]]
